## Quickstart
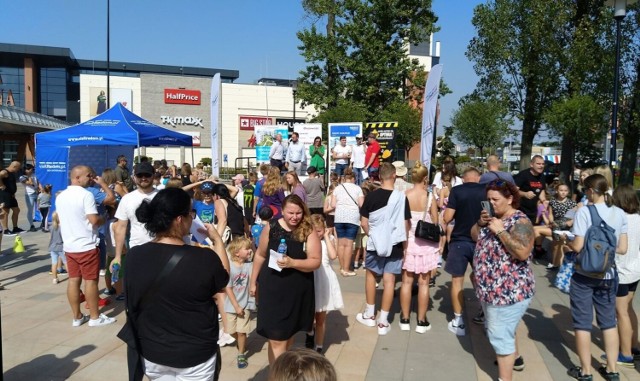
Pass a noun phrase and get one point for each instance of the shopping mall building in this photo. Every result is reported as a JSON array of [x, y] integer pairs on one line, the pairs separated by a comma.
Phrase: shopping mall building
[[44, 88]]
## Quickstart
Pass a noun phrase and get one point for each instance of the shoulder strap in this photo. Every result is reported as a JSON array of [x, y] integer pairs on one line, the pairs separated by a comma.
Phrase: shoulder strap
[[429, 196], [168, 268], [496, 175], [596, 220], [348, 194]]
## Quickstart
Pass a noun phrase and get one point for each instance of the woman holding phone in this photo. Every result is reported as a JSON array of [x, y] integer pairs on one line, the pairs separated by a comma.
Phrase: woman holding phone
[[504, 281]]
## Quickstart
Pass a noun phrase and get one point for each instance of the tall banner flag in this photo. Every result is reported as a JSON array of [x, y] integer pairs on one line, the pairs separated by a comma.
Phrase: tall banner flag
[[431, 91], [215, 112]]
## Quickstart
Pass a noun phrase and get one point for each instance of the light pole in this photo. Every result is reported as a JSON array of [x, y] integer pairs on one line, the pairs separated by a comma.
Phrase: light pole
[[294, 91], [620, 11], [108, 55]]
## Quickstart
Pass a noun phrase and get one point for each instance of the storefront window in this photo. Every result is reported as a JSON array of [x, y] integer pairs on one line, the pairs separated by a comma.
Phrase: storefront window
[[53, 92], [12, 86]]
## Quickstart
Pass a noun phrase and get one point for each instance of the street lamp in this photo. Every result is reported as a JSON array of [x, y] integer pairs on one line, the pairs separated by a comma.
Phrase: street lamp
[[620, 11], [294, 91]]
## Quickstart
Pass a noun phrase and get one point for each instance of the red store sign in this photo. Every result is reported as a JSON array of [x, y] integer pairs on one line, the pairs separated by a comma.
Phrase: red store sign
[[248, 123], [182, 96]]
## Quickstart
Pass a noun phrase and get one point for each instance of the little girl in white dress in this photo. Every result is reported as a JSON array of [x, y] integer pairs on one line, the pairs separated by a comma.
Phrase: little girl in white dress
[[327, 288]]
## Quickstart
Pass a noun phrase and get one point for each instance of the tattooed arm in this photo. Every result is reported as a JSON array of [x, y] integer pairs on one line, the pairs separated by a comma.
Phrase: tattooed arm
[[518, 241]]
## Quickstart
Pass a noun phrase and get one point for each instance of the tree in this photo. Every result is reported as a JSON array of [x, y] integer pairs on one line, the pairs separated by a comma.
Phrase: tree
[[516, 54], [444, 145], [582, 118], [362, 56], [482, 124], [344, 111], [409, 123]]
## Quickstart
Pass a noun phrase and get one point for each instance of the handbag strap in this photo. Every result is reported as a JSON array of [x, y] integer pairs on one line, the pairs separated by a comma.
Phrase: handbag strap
[[429, 197], [151, 291], [349, 194]]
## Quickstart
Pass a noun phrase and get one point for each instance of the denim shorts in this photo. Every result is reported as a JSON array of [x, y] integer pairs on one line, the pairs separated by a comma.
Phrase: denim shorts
[[460, 255], [502, 322], [346, 230], [382, 265], [585, 294], [340, 168], [58, 254]]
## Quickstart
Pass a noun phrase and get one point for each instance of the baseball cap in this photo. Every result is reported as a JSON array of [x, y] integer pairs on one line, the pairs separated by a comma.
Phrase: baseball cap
[[401, 170], [206, 187], [144, 168], [239, 176], [359, 136], [312, 169]]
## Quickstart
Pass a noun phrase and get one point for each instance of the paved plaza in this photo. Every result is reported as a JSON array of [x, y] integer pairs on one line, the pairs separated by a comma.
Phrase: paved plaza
[[38, 342]]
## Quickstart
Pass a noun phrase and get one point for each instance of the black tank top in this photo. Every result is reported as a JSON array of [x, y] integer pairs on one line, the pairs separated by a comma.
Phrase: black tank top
[[10, 183], [235, 219]]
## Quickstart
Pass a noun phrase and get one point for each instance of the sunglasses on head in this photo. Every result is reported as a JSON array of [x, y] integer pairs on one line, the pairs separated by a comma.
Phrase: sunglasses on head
[[498, 183]]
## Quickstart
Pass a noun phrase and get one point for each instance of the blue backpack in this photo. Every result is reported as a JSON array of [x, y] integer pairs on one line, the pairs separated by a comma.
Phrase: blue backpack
[[599, 251]]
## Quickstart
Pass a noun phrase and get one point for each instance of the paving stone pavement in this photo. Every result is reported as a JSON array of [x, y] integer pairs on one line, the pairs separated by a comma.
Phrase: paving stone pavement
[[38, 342]]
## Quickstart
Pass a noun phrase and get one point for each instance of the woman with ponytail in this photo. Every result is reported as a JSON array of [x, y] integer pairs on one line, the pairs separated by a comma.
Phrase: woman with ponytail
[[228, 212]]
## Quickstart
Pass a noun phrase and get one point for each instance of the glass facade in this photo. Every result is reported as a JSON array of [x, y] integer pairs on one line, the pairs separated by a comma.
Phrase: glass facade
[[12, 83], [53, 92]]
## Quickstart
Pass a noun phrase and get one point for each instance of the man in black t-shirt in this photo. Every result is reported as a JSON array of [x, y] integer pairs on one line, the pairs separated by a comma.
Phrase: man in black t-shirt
[[386, 219], [8, 189], [464, 206], [531, 185]]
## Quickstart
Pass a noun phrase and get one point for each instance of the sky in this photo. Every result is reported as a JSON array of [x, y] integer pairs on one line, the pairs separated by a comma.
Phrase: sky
[[256, 37]]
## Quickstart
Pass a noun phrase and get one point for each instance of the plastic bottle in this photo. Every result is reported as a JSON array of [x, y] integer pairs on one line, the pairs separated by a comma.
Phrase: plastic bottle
[[115, 274], [282, 247]]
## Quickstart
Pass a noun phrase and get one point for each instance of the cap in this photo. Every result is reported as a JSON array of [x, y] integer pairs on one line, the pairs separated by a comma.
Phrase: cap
[[239, 176], [401, 170], [312, 169], [144, 168], [359, 136], [206, 187], [556, 178]]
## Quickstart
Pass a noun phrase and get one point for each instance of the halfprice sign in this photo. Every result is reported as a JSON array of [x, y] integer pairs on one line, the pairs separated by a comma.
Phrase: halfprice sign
[[182, 96], [248, 123]]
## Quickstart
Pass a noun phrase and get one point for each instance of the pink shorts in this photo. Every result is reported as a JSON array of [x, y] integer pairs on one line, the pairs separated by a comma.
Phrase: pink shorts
[[421, 257]]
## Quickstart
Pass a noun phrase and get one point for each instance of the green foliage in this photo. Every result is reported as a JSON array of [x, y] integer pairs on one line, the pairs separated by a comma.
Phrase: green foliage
[[137, 159], [206, 161], [409, 123], [444, 144], [482, 124], [361, 56], [344, 111]]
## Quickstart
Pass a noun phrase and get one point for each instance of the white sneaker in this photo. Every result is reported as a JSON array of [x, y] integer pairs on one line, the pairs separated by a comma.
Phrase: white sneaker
[[81, 321], [225, 339], [458, 329], [55, 281], [368, 321], [101, 320], [383, 328]]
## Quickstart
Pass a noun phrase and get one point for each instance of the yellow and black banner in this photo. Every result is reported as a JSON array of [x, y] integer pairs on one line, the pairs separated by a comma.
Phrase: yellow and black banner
[[386, 136]]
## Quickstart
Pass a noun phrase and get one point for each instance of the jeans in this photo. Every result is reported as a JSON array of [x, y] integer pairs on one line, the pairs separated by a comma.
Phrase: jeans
[[30, 200], [358, 174]]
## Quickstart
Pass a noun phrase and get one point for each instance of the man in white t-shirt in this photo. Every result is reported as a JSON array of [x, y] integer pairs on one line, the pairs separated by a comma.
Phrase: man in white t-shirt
[[79, 222], [126, 213], [341, 153], [357, 159]]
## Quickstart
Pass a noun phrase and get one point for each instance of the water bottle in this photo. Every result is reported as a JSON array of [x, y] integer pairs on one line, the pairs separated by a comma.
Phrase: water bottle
[[115, 274], [282, 247]]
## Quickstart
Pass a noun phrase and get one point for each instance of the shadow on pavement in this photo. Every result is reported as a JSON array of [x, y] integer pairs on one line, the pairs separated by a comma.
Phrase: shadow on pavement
[[48, 366]]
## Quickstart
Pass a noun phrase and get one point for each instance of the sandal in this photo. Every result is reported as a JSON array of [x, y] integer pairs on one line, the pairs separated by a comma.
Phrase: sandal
[[242, 362], [347, 273]]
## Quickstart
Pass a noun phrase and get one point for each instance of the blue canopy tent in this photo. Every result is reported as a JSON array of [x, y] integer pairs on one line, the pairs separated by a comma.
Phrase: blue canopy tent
[[97, 143]]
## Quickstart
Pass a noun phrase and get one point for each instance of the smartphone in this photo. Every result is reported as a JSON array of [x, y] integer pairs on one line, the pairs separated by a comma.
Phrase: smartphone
[[486, 205]]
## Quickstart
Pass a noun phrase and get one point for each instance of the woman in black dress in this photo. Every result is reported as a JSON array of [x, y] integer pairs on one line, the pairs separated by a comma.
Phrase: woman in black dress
[[287, 296]]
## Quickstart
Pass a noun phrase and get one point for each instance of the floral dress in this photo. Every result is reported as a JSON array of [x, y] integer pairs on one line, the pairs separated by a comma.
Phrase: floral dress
[[501, 279]]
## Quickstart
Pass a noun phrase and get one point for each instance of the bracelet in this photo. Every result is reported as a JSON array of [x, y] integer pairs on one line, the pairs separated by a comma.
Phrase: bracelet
[[500, 232]]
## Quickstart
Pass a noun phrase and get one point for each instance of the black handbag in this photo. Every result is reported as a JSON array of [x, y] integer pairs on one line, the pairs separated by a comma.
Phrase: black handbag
[[427, 230]]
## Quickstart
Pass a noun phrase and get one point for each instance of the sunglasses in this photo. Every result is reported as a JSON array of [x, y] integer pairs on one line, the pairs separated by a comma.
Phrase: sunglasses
[[144, 175], [498, 183]]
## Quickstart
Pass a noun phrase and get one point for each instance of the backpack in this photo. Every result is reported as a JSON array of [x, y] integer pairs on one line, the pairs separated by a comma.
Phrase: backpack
[[598, 253]]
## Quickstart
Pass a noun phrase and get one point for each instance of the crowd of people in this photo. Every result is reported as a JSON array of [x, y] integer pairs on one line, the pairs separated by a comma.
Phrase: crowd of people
[[150, 232]]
